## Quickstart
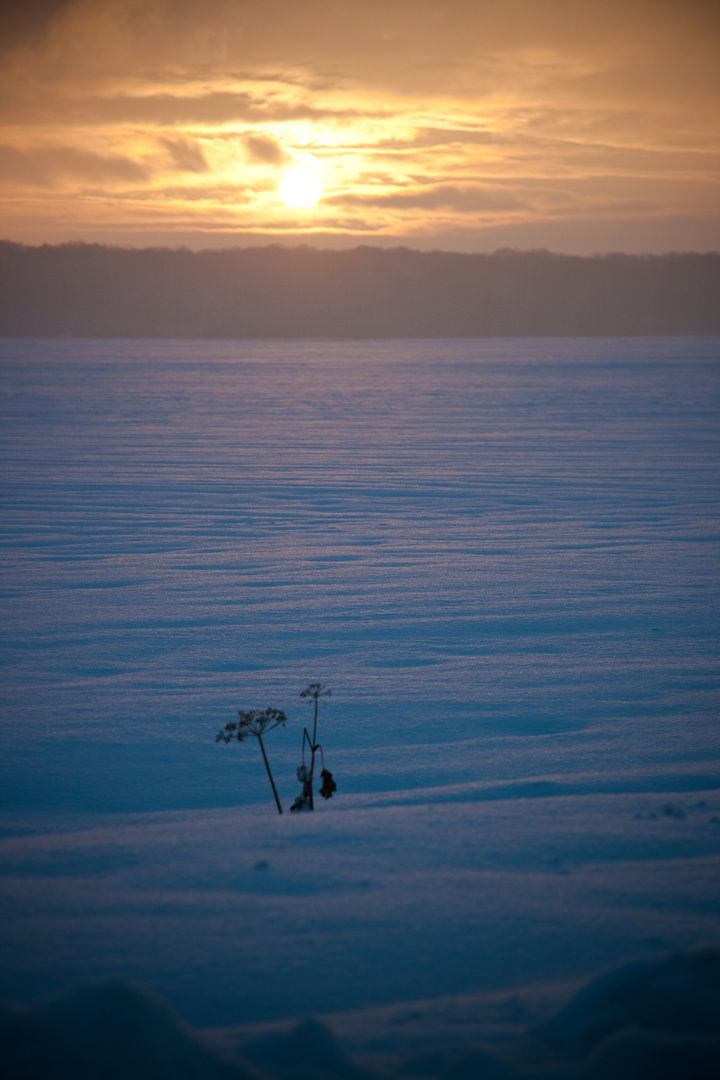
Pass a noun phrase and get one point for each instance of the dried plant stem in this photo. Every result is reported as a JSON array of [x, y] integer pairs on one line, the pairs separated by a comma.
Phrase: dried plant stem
[[272, 782], [314, 691]]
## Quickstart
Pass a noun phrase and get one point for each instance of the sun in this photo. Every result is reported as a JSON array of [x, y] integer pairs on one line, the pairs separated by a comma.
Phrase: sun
[[299, 188]]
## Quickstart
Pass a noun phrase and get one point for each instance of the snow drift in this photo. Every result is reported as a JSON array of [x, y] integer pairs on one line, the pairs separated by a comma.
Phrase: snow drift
[[656, 1020], [107, 1031]]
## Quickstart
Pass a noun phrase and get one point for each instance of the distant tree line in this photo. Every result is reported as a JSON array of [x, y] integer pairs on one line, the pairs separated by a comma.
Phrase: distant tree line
[[89, 290]]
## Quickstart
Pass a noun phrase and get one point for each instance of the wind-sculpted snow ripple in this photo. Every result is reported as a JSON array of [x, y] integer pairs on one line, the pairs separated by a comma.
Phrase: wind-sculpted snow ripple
[[465, 539]]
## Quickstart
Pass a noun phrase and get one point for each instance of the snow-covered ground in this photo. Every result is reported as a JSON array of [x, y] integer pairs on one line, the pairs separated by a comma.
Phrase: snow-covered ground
[[502, 557]]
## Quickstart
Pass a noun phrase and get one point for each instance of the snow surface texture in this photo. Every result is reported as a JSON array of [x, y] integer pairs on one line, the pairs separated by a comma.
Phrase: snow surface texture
[[501, 556], [653, 1021]]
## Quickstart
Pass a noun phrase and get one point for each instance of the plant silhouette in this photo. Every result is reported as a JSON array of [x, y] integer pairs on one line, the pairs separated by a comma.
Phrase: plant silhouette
[[304, 801], [255, 723]]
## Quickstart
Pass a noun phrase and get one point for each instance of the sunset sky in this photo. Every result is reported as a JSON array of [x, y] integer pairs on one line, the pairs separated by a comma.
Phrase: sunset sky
[[577, 125]]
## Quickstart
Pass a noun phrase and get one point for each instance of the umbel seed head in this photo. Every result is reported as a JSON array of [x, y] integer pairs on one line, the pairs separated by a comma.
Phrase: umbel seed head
[[251, 722], [316, 690]]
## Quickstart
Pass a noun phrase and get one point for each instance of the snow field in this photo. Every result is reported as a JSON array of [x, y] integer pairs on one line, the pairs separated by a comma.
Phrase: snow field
[[237, 915], [502, 556]]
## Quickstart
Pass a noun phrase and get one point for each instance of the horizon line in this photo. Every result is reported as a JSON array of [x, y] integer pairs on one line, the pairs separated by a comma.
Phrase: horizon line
[[385, 249]]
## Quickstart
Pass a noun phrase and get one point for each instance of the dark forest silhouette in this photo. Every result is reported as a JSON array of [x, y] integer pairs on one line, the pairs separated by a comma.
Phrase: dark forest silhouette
[[89, 290]]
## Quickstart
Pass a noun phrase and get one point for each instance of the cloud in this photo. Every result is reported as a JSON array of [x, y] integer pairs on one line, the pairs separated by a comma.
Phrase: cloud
[[264, 150], [46, 166], [444, 196], [213, 108], [186, 154], [437, 136], [413, 109], [26, 22], [460, 50]]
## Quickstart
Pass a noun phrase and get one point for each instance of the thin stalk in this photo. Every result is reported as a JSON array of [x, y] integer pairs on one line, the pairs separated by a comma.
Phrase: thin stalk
[[313, 747], [272, 782]]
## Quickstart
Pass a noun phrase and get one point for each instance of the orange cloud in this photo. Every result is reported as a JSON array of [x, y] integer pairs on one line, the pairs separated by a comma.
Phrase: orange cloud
[[51, 165], [186, 155], [423, 118]]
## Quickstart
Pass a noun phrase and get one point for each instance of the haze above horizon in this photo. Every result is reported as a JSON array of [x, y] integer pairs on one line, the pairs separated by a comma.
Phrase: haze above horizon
[[566, 124]]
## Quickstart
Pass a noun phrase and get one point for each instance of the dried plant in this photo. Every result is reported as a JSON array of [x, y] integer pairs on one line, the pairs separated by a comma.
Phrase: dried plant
[[254, 723], [304, 801]]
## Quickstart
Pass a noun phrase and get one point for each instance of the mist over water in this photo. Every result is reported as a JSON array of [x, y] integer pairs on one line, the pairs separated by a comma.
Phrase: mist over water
[[490, 550]]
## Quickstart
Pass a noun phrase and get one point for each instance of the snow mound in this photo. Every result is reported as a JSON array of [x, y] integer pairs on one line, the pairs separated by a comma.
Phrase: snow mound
[[478, 1063], [677, 994], [648, 1055], [458, 1064], [654, 1020], [309, 1050], [108, 1031]]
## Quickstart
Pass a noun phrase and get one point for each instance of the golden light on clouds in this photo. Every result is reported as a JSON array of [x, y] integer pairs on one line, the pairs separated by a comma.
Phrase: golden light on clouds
[[471, 124]]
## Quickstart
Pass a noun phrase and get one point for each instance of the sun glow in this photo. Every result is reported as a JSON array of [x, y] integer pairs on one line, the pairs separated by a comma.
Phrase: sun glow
[[300, 188]]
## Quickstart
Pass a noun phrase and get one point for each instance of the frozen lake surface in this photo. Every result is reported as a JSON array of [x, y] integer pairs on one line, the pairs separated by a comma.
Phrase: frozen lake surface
[[503, 558]]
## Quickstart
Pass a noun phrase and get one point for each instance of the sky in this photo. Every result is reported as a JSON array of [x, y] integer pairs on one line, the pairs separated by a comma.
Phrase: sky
[[581, 126]]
